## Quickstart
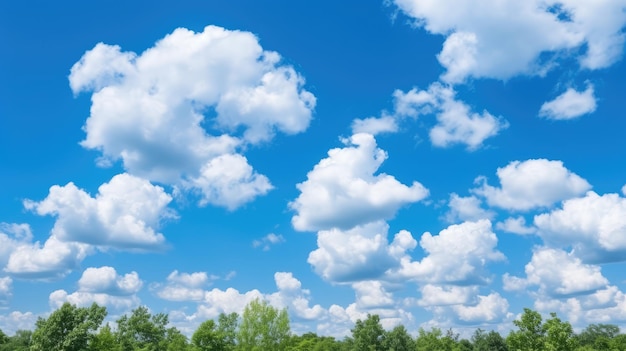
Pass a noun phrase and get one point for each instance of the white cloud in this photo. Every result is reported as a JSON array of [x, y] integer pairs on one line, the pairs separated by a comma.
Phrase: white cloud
[[445, 295], [13, 235], [5, 288], [456, 123], [54, 259], [531, 184], [85, 299], [123, 215], [467, 209], [106, 280], [183, 286], [267, 241], [515, 225], [530, 36], [558, 274], [458, 255], [374, 126], [594, 225], [290, 295], [217, 89], [228, 181], [361, 253], [16, 320], [103, 286], [372, 294], [492, 308], [570, 104], [342, 191]]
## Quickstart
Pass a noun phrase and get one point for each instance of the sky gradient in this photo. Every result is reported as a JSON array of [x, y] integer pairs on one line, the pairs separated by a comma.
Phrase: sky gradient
[[432, 162]]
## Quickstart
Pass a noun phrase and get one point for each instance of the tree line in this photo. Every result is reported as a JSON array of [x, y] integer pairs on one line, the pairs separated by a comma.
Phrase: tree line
[[262, 327]]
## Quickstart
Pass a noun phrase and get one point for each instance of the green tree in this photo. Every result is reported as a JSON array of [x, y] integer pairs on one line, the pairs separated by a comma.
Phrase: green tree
[[18, 342], [491, 341], [69, 328], [597, 336], [559, 335], [142, 331], [434, 340], [368, 334], [398, 339], [263, 327], [3, 338], [104, 340], [175, 340], [530, 334]]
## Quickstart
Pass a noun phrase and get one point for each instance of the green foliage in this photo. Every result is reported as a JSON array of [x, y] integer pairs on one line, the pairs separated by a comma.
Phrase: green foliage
[[263, 327], [368, 334], [435, 340], [3, 338], [597, 336], [559, 335], [142, 331], [219, 337], [104, 340], [398, 339], [530, 336], [69, 328], [18, 342], [491, 341], [313, 342]]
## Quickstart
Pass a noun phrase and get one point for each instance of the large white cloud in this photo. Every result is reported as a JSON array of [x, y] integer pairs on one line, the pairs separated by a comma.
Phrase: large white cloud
[[531, 184], [183, 286], [13, 235], [361, 253], [52, 260], [458, 255], [594, 225], [456, 123], [124, 214], [570, 104], [106, 280], [170, 111], [530, 36], [557, 274], [467, 209], [16, 320], [343, 190], [104, 286]]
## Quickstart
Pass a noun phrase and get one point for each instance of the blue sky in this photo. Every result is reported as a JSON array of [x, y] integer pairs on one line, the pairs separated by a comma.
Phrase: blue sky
[[432, 162]]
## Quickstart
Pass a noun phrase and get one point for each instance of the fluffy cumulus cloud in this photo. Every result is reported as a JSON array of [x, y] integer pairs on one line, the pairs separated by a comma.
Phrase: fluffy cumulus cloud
[[124, 214], [361, 253], [594, 225], [183, 286], [570, 104], [456, 123], [13, 235], [516, 225], [466, 209], [458, 255], [557, 274], [16, 320], [104, 286], [182, 111], [343, 190], [52, 260], [531, 35], [531, 184], [492, 308], [446, 295]]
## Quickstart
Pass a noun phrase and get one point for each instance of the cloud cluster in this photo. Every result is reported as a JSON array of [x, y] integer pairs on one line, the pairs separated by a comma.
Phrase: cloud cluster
[[344, 189], [182, 111], [104, 286], [530, 38], [530, 184]]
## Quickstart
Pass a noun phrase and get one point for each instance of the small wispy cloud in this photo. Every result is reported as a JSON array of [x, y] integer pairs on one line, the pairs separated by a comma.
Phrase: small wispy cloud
[[268, 241]]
